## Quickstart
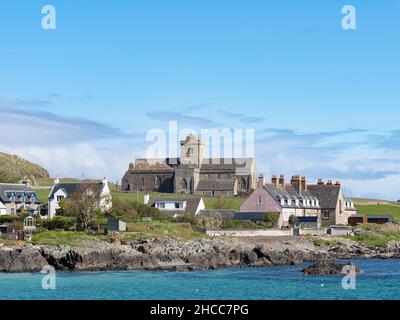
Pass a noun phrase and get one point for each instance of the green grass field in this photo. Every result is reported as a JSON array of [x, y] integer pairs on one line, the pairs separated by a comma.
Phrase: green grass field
[[156, 229], [69, 238], [380, 209]]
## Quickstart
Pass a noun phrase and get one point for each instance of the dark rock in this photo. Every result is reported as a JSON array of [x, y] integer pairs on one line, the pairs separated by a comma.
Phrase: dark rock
[[329, 268]]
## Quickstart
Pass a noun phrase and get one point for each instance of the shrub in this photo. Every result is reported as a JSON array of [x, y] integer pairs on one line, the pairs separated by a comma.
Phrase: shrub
[[59, 222], [292, 219], [130, 210], [188, 218], [271, 219], [238, 224], [8, 218]]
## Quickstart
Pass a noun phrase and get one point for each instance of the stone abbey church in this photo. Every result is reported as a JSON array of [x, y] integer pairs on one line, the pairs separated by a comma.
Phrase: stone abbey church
[[191, 173]]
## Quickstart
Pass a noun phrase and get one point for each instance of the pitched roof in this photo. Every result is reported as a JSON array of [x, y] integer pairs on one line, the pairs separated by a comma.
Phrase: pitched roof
[[71, 187], [7, 190], [328, 195], [192, 203], [233, 214], [217, 185], [289, 192], [152, 164]]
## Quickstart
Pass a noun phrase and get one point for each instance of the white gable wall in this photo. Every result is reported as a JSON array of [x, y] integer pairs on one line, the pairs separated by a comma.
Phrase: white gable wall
[[54, 204]]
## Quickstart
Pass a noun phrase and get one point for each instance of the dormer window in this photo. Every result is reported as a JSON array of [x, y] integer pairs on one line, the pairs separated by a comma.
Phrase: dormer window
[[282, 201], [23, 198], [33, 199], [297, 202], [289, 202], [317, 203], [12, 198], [259, 201]]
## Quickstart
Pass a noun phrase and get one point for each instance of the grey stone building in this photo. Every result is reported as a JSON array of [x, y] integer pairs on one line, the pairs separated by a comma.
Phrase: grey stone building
[[191, 173]]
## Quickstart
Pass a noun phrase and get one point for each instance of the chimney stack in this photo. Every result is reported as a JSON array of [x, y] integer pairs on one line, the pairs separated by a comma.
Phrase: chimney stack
[[296, 183], [282, 180], [320, 182], [329, 183], [261, 181], [337, 183], [304, 183], [274, 180]]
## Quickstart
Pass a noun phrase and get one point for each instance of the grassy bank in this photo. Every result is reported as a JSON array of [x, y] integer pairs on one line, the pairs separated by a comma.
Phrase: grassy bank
[[377, 235], [68, 238]]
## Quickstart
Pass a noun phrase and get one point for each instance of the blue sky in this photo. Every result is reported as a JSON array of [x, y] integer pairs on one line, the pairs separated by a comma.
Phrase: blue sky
[[323, 101]]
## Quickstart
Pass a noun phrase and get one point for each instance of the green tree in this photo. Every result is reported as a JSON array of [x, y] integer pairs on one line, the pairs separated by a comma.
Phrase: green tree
[[83, 203], [292, 219], [271, 219]]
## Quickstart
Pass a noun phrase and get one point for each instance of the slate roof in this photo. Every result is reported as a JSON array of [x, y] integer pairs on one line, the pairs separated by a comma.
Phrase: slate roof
[[152, 164], [328, 195], [289, 192], [192, 204], [226, 163], [7, 190], [71, 187], [216, 185]]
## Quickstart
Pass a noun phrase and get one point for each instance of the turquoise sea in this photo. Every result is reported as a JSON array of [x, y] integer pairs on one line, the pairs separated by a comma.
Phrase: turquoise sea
[[381, 281]]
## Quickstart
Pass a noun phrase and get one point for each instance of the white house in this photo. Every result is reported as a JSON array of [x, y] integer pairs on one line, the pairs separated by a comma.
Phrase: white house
[[3, 209], [62, 191], [175, 207]]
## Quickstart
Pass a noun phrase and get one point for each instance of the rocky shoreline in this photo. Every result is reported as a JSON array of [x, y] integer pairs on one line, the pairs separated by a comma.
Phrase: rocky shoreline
[[168, 254]]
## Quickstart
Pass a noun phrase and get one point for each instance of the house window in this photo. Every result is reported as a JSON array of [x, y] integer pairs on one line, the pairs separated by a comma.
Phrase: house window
[[326, 214], [59, 198], [12, 211], [142, 181], [178, 205], [259, 201], [161, 205]]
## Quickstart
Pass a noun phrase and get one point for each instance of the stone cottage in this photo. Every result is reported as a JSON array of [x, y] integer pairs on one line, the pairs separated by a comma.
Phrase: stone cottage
[[335, 207], [191, 173]]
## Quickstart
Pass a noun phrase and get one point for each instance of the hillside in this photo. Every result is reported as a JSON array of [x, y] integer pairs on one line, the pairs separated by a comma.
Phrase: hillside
[[14, 168]]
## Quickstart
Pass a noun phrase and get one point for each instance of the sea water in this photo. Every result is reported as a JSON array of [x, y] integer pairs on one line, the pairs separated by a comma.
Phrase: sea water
[[380, 281]]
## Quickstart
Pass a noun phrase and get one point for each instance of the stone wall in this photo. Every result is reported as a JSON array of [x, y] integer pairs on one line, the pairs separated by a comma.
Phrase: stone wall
[[148, 181]]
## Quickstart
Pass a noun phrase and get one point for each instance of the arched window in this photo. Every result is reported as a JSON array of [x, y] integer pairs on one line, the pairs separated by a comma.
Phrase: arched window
[[184, 184], [244, 184], [157, 182]]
